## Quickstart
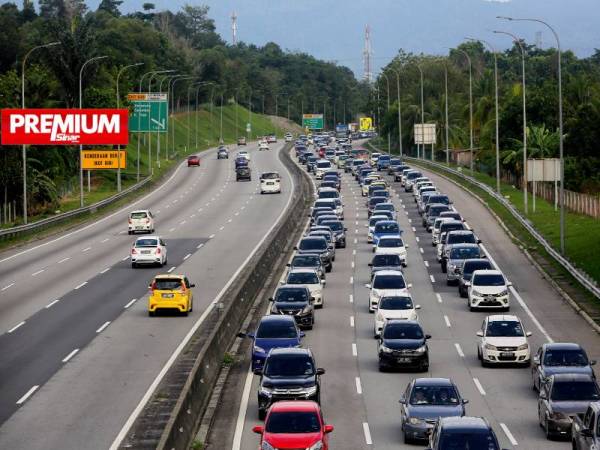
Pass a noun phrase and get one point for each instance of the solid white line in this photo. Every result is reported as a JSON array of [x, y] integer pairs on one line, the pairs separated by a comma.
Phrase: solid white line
[[447, 320], [426, 263], [49, 305], [352, 321], [28, 394], [86, 249], [37, 273], [351, 280], [200, 245], [103, 327], [171, 269], [171, 230], [70, 355], [79, 286], [211, 236], [105, 270], [479, 386], [187, 256], [358, 385], [508, 434], [459, 350], [354, 350], [106, 240], [130, 303], [431, 278], [239, 427], [19, 325], [351, 298], [64, 259], [439, 298], [122, 232], [367, 433]]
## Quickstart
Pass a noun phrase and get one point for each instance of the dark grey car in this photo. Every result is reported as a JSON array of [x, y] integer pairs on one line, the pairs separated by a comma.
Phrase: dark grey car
[[308, 261], [316, 245]]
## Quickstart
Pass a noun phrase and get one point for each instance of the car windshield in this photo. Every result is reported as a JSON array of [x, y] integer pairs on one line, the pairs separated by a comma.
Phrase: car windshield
[[167, 284], [389, 282], [462, 238], [504, 328], [396, 303], [471, 267], [488, 280], [575, 391], [328, 184], [324, 234], [385, 207], [444, 200], [291, 295], [285, 366], [380, 192], [328, 194], [468, 439], [387, 228], [445, 227], [373, 220], [323, 164], [269, 176], [146, 243], [325, 204], [385, 260], [464, 253], [277, 330], [435, 211], [390, 243], [138, 215], [434, 396], [312, 159], [302, 278], [306, 261], [293, 422], [557, 358], [402, 331], [376, 200], [334, 226]]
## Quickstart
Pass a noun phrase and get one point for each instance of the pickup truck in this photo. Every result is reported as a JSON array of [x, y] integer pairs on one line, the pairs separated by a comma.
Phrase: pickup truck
[[585, 433]]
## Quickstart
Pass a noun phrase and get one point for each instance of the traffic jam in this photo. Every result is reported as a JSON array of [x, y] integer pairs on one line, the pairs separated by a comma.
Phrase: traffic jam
[[430, 410]]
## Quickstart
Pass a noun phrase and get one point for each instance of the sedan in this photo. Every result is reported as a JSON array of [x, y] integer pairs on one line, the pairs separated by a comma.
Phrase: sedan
[[394, 307], [193, 160], [503, 341], [559, 357], [403, 344]]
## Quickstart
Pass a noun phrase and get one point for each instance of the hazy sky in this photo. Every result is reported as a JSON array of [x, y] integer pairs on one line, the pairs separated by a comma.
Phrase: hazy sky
[[334, 29]]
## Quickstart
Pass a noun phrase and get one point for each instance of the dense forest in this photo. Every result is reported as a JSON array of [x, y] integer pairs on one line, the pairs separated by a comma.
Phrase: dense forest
[[581, 96], [269, 78]]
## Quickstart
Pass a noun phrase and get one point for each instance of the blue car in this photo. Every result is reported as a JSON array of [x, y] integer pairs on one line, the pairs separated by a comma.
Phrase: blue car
[[385, 228], [383, 162], [274, 331]]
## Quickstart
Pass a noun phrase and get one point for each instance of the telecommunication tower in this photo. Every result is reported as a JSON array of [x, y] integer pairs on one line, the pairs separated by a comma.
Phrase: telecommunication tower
[[367, 54], [538, 39], [234, 28]]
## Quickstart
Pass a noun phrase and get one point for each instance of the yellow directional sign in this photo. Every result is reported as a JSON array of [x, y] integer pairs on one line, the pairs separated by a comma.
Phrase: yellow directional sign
[[366, 124], [103, 159]]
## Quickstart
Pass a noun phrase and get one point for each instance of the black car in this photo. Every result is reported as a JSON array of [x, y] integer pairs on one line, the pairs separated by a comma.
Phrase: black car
[[469, 266], [339, 231], [402, 343], [288, 374], [308, 261], [294, 301], [562, 397], [243, 173], [316, 245], [222, 153], [453, 433], [385, 262], [425, 400]]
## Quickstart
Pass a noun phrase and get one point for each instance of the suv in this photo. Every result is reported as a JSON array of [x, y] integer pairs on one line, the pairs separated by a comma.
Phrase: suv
[[385, 262], [270, 182], [140, 220], [288, 374], [488, 289], [222, 153], [296, 301], [559, 357], [432, 211], [456, 257], [243, 173], [503, 341], [339, 231], [241, 140], [463, 432]]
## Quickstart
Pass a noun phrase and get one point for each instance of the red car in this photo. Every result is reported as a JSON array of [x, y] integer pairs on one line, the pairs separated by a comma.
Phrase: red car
[[294, 425], [193, 161], [322, 152]]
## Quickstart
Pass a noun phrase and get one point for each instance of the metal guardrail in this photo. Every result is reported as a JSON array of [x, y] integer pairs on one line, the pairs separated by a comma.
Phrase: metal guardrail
[[40, 224], [583, 278]]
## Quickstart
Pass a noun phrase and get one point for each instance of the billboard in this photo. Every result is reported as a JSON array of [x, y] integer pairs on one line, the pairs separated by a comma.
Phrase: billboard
[[312, 121], [424, 133], [547, 169], [65, 127], [150, 112], [103, 159], [341, 128], [365, 124]]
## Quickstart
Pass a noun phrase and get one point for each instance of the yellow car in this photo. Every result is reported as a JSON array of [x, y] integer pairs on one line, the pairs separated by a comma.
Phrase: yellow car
[[170, 292]]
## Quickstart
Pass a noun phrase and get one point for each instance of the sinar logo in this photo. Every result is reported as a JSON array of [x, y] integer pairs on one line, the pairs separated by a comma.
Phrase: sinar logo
[[366, 123]]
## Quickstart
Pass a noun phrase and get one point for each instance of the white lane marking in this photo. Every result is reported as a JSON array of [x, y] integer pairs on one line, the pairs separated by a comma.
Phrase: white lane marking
[[222, 228], [520, 300], [351, 298], [354, 350], [7, 286], [126, 258], [200, 245], [86, 249], [243, 207], [175, 201], [103, 327], [439, 298], [355, 241], [358, 385], [133, 300], [171, 269], [70, 355], [459, 350], [17, 326], [367, 433], [199, 209], [168, 206], [183, 343], [352, 321], [64, 259], [79, 286], [447, 320], [351, 280], [508, 434], [122, 232], [211, 236], [104, 240], [183, 222], [37, 273], [52, 303], [105, 270], [352, 264], [354, 252], [421, 250], [230, 220], [158, 212], [479, 386], [417, 238], [171, 230], [237, 213], [187, 256], [28, 394], [414, 229], [431, 278], [192, 216], [410, 221], [426, 263]]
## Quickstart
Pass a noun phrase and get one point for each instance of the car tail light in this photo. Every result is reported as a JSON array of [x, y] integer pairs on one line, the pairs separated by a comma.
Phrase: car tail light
[[129, 220], [153, 286], [158, 250], [147, 220], [133, 251]]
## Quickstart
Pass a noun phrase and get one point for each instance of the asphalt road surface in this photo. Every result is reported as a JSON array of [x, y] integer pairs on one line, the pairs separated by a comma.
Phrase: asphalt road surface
[[360, 401], [79, 351]]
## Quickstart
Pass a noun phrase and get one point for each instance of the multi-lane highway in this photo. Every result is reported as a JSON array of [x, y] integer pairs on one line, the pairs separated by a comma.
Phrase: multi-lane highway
[[79, 352], [360, 401]]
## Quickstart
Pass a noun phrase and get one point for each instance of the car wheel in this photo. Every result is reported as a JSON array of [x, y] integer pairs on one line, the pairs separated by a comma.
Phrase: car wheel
[[129, 232], [549, 435], [151, 313], [133, 265], [483, 362], [471, 308], [328, 268], [462, 293], [262, 414], [479, 353], [185, 313], [382, 368], [448, 282], [444, 268]]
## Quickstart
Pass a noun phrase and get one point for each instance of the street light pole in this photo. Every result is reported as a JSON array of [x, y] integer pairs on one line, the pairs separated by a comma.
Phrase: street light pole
[[97, 58], [397, 72], [422, 117], [518, 42], [470, 106], [167, 78], [560, 128], [447, 124], [24, 148], [249, 133], [387, 80], [196, 130], [221, 126]]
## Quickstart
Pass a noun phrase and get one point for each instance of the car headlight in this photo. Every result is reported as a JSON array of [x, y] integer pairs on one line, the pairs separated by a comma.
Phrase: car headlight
[[490, 347], [316, 446], [306, 310], [266, 391], [258, 349], [310, 391], [415, 421], [385, 349], [421, 349], [476, 293], [266, 446], [375, 294], [523, 347], [503, 293], [451, 267]]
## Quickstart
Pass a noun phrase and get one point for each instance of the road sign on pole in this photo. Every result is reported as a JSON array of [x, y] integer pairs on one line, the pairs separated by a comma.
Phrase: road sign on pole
[[312, 121], [103, 159], [366, 123], [150, 112]]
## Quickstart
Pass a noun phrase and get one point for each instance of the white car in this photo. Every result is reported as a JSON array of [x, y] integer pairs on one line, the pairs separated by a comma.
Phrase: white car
[[244, 154], [270, 182], [288, 137], [386, 283], [309, 278], [392, 245], [371, 226], [140, 220], [263, 145], [375, 158], [322, 166], [394, 307], [148, 250], [488, 289], [503, 341]]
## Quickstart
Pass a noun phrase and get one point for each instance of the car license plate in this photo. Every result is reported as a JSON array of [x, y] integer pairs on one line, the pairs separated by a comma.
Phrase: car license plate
[[146, 252], [506, 355], [489, 298], [167, 295], [402, 360], [139, 228]]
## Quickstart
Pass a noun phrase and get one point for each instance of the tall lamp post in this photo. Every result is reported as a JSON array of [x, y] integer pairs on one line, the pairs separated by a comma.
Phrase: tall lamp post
[[196, 129], [175, 81], [150, 168], [168, 79], [24, 149], [123, 69], [387, 80], [422, 116], [447, 125], [517, 41], [497, 118], [560, 128], [470, 105], [97, 58], [397, 72]]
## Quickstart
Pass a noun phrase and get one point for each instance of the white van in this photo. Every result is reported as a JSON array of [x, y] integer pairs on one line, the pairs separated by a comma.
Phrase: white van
[[270, 183]]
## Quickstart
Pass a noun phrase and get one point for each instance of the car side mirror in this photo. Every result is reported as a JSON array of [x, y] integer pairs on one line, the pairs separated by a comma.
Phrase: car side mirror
[[465, 401], [529, 333], [427, 336], [323, 282], [467, 283], [418, 307], [270, 299], [370, 264], [328, 429], [406, 246], [320, 371], [367, 285], [295, 247], [409, 285], [509, 284], [345, 229], [302, 334], [288, 265], [479, 333], [586, 432], [312, 299], [593, 362], [258, 429], [402, 400], [241, 335], [536, 359]]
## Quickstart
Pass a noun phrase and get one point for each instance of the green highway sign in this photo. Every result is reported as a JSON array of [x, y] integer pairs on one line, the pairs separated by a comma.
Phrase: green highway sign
[[150, 112], [312, 121]]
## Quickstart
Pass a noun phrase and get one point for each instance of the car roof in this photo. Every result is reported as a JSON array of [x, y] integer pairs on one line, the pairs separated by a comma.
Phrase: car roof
[[151, 236], [292, 286], [487, 271], [139, 211], [290, 350], [387, 222], [574, 377], [276, 318], [433, 382], [459, 232], [295, 405], [327, 189], [302, 270], [562, 346], [169, 276], [390, 236], [464, 422]]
